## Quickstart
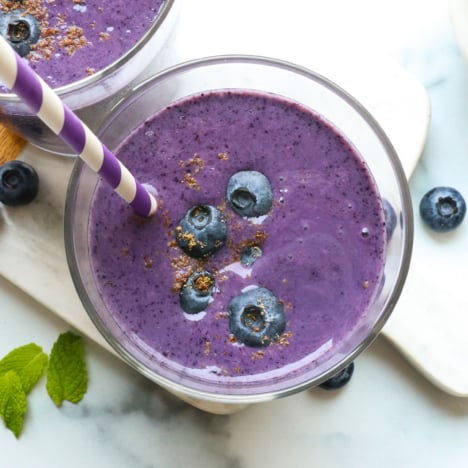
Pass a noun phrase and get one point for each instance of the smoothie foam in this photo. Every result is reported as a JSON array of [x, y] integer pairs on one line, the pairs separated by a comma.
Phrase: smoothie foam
[[323, 241]]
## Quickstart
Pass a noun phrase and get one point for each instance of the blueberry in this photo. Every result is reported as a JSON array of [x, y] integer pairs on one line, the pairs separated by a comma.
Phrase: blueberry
[[20, 29], [202, 231], [256, 317], [249, 194], [250, 255], [442, 208], [390, 217], [19, 183], [197, 292], [340, 379]]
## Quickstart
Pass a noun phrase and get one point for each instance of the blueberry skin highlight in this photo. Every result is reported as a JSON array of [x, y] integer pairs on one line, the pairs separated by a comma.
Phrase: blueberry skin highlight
[[340, 379], [20, 29], [197, 292], [250, 255], [442, 208], [256, 317], [249, 194], [19, 183], [202, 231]]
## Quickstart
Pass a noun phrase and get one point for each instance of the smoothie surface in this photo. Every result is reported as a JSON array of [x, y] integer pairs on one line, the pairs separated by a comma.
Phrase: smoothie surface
[[323, 241], [81, 37]]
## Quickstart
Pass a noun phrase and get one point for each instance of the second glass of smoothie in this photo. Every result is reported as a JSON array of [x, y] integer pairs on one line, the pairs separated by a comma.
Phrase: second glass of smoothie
[[88, 52], [273, 261]]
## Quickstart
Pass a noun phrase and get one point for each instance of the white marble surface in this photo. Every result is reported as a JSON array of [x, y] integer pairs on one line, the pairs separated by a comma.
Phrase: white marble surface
[[389, 415]]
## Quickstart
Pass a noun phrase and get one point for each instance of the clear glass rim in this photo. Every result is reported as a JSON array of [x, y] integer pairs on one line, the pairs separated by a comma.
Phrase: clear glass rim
[[404, 261], [65, 90]]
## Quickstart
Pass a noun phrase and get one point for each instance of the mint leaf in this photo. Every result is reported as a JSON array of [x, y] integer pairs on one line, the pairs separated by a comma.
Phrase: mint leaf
[[12, 402], [28, 362], [67, 376]]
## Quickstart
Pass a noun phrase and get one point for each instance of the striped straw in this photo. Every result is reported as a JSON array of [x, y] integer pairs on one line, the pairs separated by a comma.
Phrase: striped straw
[[16, 75]]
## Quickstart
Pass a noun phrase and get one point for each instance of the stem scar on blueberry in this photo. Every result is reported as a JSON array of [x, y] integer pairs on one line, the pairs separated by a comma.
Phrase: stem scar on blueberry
[[202, 231], [19, 183], [20, 29], [249, 194], [256, 317], [442, 208], [197, 292]]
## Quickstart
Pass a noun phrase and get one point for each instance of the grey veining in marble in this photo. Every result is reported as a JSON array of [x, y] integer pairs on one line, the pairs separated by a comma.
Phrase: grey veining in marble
[[389, 416]]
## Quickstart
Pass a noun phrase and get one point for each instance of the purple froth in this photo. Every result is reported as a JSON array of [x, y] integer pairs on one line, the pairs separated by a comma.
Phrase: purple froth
[[73, 131], [28, 86]]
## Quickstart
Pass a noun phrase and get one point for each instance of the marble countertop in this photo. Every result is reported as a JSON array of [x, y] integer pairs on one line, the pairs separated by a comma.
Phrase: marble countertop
[[389, 415]]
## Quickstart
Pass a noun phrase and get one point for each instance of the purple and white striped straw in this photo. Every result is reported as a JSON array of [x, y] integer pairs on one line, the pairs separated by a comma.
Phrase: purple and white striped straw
[[18, 76]]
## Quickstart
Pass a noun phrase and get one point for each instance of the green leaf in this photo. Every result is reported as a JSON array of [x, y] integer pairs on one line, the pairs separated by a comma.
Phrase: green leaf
[[28, 362], [12, 402], [67, 376]]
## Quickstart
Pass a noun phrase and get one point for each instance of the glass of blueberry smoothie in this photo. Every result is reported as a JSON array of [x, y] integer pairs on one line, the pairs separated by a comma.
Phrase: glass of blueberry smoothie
[[88, 51], [281, 245]]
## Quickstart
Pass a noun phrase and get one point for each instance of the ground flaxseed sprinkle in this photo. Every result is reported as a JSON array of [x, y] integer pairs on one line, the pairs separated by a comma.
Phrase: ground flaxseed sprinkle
[[148, 262], [207, 349], [104, 36], [190, 181]]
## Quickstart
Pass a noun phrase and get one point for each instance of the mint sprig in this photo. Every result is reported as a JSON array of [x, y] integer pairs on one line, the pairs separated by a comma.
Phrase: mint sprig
[[12, 402], [67, 377], [22, 368], [28, 362]]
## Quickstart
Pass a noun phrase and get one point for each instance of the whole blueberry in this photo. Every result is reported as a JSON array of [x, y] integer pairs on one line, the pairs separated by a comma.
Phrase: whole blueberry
[[249, 194], [256, 317], [390, 217], [19, 183], [442, 208], [202, 231], [20, 29], [250, 255], [197, 292], [340, 379]]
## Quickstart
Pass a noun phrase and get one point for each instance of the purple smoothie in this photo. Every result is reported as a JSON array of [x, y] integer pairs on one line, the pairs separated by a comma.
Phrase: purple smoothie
[[323, 240], [80, 37]]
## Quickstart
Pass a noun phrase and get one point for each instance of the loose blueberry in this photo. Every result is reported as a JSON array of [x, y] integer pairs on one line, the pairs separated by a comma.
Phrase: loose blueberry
[[442, 208], [390, 217], [20, 29], [340, 379], [256, 317], [202, 231], [250, 255], [19, 183], [249, 194], [197, 292]]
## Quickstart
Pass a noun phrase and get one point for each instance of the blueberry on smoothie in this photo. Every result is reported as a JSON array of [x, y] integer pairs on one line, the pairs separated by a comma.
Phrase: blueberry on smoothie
[[256, 317], [19, 183], [202, 231], [390, 217], [442, 208], [340, 379], [249, 194], [20, 29], [197, 292], [250, 255]]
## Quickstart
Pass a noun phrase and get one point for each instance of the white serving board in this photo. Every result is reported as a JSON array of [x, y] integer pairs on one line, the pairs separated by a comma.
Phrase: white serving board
[[459, 16], [32, 247]]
